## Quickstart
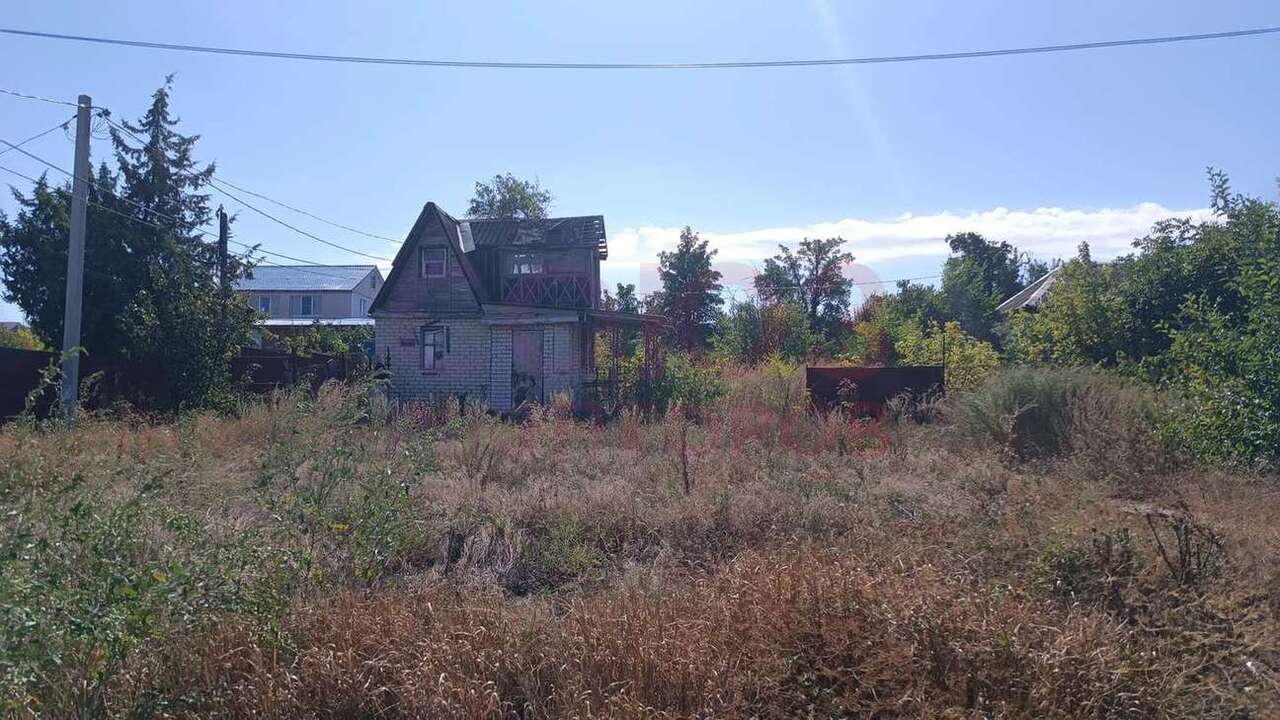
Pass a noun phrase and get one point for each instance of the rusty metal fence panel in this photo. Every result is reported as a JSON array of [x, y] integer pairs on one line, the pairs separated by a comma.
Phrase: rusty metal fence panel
[[866, 389]]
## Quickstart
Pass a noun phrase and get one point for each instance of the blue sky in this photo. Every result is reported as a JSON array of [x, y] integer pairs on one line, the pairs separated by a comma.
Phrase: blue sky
[[1043, 151]]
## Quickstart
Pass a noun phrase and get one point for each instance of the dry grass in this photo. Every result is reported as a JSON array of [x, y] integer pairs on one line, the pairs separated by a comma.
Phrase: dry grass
[[441, 564]]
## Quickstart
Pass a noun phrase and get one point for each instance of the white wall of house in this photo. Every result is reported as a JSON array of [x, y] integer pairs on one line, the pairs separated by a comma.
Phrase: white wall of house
[[477, 362]]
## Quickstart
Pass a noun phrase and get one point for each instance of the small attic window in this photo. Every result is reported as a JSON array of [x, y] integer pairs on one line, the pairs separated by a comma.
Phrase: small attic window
[[433, 262]]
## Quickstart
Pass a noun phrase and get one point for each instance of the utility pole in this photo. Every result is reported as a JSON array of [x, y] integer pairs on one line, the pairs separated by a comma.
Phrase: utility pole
[[75, 263], [223, 233]]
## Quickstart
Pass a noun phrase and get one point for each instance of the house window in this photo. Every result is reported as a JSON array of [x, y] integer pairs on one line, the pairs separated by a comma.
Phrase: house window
[[303, 305], [526, 264], [433, 262], [264, 304], [434, 345], [364, 307]]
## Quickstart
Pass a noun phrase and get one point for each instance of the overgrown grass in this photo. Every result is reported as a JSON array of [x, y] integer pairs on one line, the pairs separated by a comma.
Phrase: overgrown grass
[[321, 556]]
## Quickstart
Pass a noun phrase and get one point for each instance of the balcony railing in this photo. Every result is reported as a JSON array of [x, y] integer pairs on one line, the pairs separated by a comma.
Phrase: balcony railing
[[561, 290]]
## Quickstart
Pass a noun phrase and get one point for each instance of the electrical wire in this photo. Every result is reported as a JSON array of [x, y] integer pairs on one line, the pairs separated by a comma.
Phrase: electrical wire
[[216, 181], [62, 125], [294, 228], [873, 60], [251, 248], [26, 96]]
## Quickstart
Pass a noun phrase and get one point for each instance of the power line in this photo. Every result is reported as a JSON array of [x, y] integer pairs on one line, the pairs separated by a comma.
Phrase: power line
[[252, 248], [37, 136], [873, 60], [26, 96], [313, 216], [294, 228], [37, 158], [215, 181]]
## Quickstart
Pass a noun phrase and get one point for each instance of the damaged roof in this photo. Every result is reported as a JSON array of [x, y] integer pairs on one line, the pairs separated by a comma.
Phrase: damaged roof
[[579, 231]]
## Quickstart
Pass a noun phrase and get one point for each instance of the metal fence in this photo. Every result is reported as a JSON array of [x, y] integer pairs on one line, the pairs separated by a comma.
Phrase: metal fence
[[864, 390], [142, 384]]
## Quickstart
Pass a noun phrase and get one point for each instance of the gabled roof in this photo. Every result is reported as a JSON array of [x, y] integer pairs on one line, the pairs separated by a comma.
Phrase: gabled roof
[[305, 277], [1032, 295], [579, 231], [431, 214]]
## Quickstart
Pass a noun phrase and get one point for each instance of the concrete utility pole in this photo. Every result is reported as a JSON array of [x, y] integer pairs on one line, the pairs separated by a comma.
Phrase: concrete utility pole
[[75, 263]]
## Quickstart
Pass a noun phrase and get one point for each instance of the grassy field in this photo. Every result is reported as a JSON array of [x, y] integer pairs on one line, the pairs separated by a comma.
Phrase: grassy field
[[1029, 550]]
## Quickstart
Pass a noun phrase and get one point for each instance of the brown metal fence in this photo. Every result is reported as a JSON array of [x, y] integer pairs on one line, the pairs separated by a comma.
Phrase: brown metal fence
[[866, 389], [142, 384]]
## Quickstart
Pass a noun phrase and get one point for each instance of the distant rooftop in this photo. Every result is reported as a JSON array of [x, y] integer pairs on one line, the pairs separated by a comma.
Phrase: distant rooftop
[[1032, 295], [305, 277]]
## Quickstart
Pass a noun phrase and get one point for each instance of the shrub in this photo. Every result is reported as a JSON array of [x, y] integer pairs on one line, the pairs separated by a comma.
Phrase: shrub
[[1109, 423]]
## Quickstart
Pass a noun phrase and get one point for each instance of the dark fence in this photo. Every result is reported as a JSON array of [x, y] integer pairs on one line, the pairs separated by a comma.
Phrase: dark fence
[[264, 370], [865, 389], [142, 384]]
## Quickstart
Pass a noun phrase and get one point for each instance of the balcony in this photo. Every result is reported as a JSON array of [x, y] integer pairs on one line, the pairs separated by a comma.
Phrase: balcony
[[558, 290]]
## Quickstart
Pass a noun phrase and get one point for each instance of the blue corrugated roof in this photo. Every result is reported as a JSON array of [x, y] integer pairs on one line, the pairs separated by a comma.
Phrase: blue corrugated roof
[[305, 277]]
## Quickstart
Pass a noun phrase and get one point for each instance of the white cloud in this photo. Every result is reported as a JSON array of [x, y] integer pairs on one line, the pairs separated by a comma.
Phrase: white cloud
[[1043, 232]]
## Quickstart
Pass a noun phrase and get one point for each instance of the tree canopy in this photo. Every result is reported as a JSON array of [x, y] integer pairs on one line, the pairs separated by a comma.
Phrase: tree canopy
[[690, 296], [506, 196], [151, 288], [812, 278]]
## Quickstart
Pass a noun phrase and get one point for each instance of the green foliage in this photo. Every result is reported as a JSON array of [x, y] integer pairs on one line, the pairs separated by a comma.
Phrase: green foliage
[[813, 279], [686, 383], [1078, 325], [921, 304], [151, 293], [1024, 411], [749, 333], [21, 338], [690, 297], [968, 361], [1195, 310], [978, 277], [86, 585], [323, 339], [507, 196]]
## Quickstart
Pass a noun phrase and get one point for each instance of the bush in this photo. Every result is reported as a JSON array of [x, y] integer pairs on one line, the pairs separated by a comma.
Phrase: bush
[[966, 360], [1108, 423]]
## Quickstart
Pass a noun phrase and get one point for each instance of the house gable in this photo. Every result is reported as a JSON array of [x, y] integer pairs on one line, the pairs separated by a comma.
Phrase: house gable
[[408, 290]]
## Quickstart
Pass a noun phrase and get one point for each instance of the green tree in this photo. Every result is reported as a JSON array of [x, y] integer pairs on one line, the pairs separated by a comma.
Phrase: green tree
[[1223, 358], [690, 296], [750, 333], [813, 278], [967, 360], [915, 303], [1079, 324], [21, 338], [507, 196], [977, 277], [150, 287]]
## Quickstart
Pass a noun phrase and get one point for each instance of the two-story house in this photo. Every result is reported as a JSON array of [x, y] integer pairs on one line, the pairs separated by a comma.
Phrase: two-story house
[[503, 312], [293, 295]]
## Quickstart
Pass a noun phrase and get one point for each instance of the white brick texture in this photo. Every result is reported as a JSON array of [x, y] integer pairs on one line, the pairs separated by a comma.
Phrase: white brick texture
[[477, 361]]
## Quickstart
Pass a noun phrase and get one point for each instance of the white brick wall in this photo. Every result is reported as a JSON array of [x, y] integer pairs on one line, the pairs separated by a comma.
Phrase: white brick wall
[[463, 371], [477, 363], [500, 368]]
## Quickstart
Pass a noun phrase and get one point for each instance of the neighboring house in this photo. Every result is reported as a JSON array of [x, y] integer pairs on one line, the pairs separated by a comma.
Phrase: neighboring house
[[1030, 297], [503, 312], [291, 295]]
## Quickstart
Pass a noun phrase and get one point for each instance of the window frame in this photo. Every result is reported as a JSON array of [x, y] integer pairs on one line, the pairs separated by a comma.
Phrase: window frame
[[424, 253], [263, 304], [528, 263], [437, 339]]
